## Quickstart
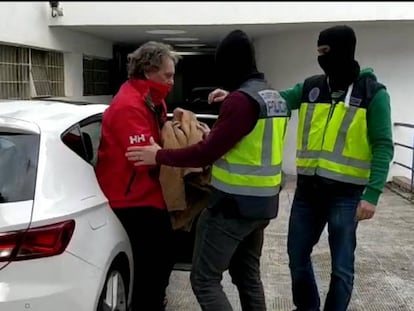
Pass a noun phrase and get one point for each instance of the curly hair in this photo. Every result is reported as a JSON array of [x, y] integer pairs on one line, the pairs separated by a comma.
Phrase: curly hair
[[148, 57]]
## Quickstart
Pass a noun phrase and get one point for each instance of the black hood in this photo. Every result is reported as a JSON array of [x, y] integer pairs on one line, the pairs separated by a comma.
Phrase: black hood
[[339, 62], [235, 60]]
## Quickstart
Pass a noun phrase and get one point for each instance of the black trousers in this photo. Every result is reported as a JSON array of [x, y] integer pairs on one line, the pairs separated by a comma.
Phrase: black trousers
[[149, 230], [224, 242]]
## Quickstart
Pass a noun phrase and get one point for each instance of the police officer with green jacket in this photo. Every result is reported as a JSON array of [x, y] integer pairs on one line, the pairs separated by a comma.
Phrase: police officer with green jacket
[[344, 150]]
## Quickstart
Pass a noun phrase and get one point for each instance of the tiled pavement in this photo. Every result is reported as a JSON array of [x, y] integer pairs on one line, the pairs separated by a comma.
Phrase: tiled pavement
[[384, 263]]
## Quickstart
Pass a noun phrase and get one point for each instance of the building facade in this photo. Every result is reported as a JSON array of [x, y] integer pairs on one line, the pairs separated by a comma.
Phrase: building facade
[[81, 50]]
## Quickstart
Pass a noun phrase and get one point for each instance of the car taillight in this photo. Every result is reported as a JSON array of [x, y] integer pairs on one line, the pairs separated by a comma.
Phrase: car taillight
[[37, 242]]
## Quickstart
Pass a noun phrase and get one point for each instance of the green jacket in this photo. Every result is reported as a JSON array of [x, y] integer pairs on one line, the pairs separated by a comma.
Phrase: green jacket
[[379, 134]]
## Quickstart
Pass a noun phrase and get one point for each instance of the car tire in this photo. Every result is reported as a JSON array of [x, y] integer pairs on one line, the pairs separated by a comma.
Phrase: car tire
[[114, 294]]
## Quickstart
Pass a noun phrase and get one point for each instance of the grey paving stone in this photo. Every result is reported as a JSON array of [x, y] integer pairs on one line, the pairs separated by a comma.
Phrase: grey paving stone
[[384, 279]]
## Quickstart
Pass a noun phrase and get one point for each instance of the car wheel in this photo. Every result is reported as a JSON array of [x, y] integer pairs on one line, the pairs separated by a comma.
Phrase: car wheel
[[114, 294]]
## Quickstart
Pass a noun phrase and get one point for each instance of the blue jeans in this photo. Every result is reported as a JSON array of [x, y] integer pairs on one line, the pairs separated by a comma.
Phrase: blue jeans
[[316, 204], [227, 242]]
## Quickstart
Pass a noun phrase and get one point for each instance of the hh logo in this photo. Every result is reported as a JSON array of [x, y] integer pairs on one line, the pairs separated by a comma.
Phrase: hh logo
[[136, 139]]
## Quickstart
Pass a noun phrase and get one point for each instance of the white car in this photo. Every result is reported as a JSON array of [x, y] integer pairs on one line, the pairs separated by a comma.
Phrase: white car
[[61, 246]]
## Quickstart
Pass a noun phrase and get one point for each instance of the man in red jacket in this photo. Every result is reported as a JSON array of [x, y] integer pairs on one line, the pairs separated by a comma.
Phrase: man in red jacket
[[137, 113]]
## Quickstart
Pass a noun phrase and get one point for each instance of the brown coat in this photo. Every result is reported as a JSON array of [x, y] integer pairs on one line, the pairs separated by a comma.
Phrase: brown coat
[[185, 190]]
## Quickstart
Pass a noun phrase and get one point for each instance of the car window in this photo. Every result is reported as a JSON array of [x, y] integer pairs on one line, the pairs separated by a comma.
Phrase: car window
[[73, 140], [93, 130], [18, 165], [84, 139]]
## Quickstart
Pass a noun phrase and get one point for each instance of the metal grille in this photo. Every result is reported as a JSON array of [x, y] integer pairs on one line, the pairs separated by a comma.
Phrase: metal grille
[[26, 73], [95, 76], [39, 73], [48, 73], [14, 72], [56, 73]]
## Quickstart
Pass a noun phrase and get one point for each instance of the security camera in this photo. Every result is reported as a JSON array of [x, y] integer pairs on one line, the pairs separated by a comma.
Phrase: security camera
[[54, 4], [57, 9]]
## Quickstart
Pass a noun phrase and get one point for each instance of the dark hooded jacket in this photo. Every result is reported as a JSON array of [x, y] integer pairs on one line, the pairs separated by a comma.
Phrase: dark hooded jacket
[[235, 61], [238, 117], [236, 64]]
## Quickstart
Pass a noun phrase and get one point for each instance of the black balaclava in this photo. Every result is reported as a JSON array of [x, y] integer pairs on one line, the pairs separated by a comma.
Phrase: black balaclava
[[235, 60], [339, 63]]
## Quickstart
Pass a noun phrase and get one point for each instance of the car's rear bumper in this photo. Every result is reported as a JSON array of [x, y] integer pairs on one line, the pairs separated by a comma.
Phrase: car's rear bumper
[[63, 283]]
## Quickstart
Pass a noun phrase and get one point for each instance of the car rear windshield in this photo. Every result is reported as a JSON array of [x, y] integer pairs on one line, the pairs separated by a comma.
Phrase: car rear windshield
[[18, 166]]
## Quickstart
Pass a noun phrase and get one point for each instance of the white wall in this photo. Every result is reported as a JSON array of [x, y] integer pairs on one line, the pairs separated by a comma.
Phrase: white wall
[[27, 23], [227, 12], [290, 57], [74, 80]]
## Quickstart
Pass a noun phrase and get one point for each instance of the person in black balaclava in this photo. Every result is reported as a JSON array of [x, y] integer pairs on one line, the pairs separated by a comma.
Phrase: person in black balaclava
[[337, 59], [344, 152], [230, 233], [340, 183], [245, 193], [235, 61]]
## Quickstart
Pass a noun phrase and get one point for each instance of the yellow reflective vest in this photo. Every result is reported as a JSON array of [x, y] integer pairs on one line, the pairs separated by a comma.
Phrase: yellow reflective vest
[[253, 166], [332, 138]]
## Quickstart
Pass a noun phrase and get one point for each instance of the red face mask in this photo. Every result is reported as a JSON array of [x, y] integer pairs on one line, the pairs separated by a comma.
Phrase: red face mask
[[158, 90]]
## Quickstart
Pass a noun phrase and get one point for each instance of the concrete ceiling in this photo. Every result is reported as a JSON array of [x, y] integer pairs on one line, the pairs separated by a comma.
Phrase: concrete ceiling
[[209, 35], [206, 34]]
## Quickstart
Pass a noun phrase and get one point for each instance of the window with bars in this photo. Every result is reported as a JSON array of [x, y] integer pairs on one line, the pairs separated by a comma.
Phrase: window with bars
[[96, 76], [47, 73], [27, 73], [14, 72]]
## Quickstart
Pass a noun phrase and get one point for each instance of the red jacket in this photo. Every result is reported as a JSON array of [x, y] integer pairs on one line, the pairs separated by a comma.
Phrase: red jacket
[[126, 122]]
